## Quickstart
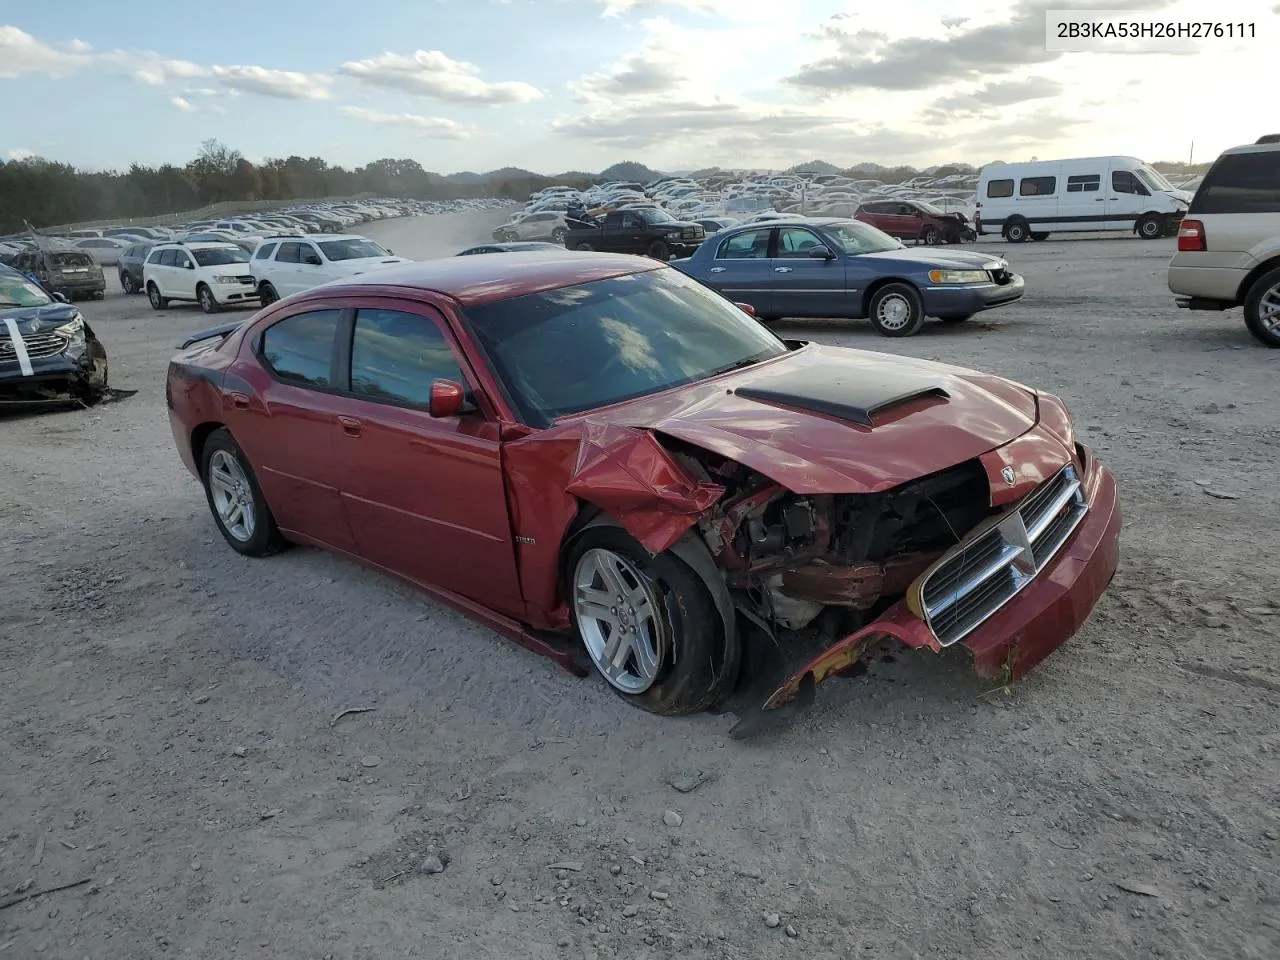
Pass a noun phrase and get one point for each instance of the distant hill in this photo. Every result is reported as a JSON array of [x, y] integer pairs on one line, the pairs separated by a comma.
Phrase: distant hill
[[819, 167], [629, 170]]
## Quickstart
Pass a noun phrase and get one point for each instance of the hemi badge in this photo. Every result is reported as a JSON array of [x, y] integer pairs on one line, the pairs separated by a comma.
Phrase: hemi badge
[[525, 540]]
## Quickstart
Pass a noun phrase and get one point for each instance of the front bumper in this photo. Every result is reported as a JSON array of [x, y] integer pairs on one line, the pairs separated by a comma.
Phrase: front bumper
[[74, 371], [946, 300], [1033, 624]]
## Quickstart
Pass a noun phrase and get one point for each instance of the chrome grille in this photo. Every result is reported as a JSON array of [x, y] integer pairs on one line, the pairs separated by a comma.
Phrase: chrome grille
[[38, 346], [985, 574]]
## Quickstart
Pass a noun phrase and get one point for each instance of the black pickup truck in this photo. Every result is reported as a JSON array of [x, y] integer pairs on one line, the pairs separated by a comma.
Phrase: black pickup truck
[[648, 231]]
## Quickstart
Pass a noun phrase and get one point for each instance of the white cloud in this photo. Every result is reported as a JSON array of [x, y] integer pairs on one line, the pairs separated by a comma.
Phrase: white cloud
[[284, 84], [183, 105], [433, 74], [659, 66], [155, 70], [22, 53], [438, 127], [614, 8], [76, 46], [21, 153]]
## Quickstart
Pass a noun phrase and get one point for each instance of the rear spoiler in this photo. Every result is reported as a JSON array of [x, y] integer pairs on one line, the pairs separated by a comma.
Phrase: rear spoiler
[[212, 333]]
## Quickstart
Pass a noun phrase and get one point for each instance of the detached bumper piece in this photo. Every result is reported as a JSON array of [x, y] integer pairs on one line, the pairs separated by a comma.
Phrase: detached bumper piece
[[1012, 593]]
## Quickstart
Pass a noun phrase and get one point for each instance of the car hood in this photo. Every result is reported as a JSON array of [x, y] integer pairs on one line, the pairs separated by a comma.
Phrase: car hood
[[942, 259], [33, 320], [360, 264], [832, 420]]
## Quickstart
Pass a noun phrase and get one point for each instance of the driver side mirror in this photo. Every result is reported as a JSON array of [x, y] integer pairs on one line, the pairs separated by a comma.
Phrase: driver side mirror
[[746, 308], [448, 399], [189, 265], [61, 298], [821, 253], [311, 260]]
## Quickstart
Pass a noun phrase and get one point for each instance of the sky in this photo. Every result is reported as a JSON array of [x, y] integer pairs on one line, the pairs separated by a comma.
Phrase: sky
[[555, 85]]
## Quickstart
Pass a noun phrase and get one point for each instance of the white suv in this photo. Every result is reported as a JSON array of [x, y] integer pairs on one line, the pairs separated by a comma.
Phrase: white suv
[[1229, 242], [212, 274], [286, 264]]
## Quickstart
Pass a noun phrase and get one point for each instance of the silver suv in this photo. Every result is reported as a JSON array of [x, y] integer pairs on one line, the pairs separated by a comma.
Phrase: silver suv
[[1229, 242]]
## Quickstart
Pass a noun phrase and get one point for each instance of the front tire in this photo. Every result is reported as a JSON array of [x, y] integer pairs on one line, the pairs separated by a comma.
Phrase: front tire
[[931, 236], [659, 250], [267, 294], [1151, 227], [896, 310], [649, 624], [1262, 308], [153, 294], [235, 499], [208, 303], [584, 246]]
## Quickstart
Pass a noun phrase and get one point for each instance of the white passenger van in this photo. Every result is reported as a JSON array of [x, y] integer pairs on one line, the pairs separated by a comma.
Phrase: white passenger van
[[1028, 201]]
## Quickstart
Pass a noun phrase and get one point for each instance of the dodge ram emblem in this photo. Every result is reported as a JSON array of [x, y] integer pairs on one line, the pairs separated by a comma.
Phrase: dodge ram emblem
[[1010, 475]]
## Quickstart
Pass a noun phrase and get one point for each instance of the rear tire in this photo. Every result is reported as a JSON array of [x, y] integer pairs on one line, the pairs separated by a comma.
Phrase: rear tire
[[1017, 231], [1262, 308], [229, 482], [127, 284], [694, 670], [153, 294], [895, 310], [558, 235], [1151, 227]]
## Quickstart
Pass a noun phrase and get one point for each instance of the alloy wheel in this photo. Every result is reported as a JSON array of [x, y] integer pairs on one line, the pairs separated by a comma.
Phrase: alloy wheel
[[618, 614], [894, 312], [232, 495]]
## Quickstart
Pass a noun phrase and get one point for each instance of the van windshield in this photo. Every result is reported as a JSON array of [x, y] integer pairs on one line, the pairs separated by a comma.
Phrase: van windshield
[[1153, 179]]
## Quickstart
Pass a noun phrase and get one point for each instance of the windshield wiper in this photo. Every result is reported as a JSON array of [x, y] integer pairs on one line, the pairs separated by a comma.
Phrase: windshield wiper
[[750, 361]]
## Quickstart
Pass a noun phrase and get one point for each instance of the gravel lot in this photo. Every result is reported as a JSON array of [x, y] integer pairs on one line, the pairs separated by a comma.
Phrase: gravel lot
[[168, 710]]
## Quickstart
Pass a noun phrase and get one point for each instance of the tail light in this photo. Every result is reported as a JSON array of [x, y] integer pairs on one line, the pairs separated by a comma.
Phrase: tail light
[[1191, 236]]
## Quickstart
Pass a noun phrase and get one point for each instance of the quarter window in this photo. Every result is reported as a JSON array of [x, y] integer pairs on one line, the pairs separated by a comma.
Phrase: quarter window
[[1037, 186], [999, 188], [265, 251], [1241, 183], [748, 245], [395, 357], [1084, 183], [299, 349]]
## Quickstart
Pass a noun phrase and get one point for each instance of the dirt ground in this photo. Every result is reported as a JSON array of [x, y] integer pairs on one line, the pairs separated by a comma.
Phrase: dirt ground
[[167, 710]]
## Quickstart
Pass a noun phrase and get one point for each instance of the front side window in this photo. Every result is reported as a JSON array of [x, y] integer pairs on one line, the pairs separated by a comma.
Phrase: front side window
[[748, 245], [180, 259], [797, 243], [220, 256], [395, 357], [578, 348], [299, 349], [1122, 181]]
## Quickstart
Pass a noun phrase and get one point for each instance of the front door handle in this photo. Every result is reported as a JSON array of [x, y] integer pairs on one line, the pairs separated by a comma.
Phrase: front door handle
[[351, 426], [716, 270], [240, 401], [781, 269]]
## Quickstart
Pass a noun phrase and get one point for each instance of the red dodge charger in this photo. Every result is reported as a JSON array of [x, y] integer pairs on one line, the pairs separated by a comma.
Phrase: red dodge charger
[[612, 465]]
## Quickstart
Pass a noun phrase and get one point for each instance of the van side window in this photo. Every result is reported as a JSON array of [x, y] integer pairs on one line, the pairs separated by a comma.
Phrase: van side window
[[1037, 186], [1000, 188], [1122, 181], [1085, 183]]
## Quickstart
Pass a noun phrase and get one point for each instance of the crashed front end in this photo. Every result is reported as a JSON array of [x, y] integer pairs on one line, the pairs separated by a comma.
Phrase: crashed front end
[[49, 359], [1004, 554]]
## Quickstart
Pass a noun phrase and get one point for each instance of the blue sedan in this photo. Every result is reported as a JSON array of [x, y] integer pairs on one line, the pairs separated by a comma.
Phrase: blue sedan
[[829, 267]]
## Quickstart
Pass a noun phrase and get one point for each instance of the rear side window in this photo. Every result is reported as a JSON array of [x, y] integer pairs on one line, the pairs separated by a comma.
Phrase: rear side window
[[157, 256], [1241, 183], [169, 258], [289, 253], [299, 349], [1037, 186], [265, 251], [1084, 183], [395, 356], [999, 188]]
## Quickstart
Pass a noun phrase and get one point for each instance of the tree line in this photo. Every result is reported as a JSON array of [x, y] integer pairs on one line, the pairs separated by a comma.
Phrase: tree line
[[47, 193]]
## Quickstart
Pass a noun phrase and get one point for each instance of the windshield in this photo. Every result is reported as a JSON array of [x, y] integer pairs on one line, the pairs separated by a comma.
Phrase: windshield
[[654, 215], [351, 249], [929, 208], [217, 256], [856, 237], [1154, 179], [578, 348], [18, 291]]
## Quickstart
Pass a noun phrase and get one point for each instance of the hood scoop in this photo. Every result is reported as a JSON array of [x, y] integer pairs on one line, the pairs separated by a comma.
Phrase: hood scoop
[[844, 392]]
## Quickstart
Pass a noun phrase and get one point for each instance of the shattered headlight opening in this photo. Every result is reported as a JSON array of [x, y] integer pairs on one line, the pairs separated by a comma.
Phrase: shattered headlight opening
[[72, 331]]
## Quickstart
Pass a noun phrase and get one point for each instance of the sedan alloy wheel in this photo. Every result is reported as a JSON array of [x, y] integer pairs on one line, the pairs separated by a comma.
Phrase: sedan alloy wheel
[[618, 615]]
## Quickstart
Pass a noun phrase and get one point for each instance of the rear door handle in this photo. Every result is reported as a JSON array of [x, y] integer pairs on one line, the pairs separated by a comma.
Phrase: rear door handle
[[351, 426], [716, 270], [240, 401], [781, 269]]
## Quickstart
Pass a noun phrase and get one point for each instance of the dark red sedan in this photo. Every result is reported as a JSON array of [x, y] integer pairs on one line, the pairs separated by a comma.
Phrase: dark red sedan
[[611, 464]]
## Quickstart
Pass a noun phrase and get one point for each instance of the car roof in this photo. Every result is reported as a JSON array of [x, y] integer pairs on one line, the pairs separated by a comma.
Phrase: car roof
[[199, 245], [476, 280]]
